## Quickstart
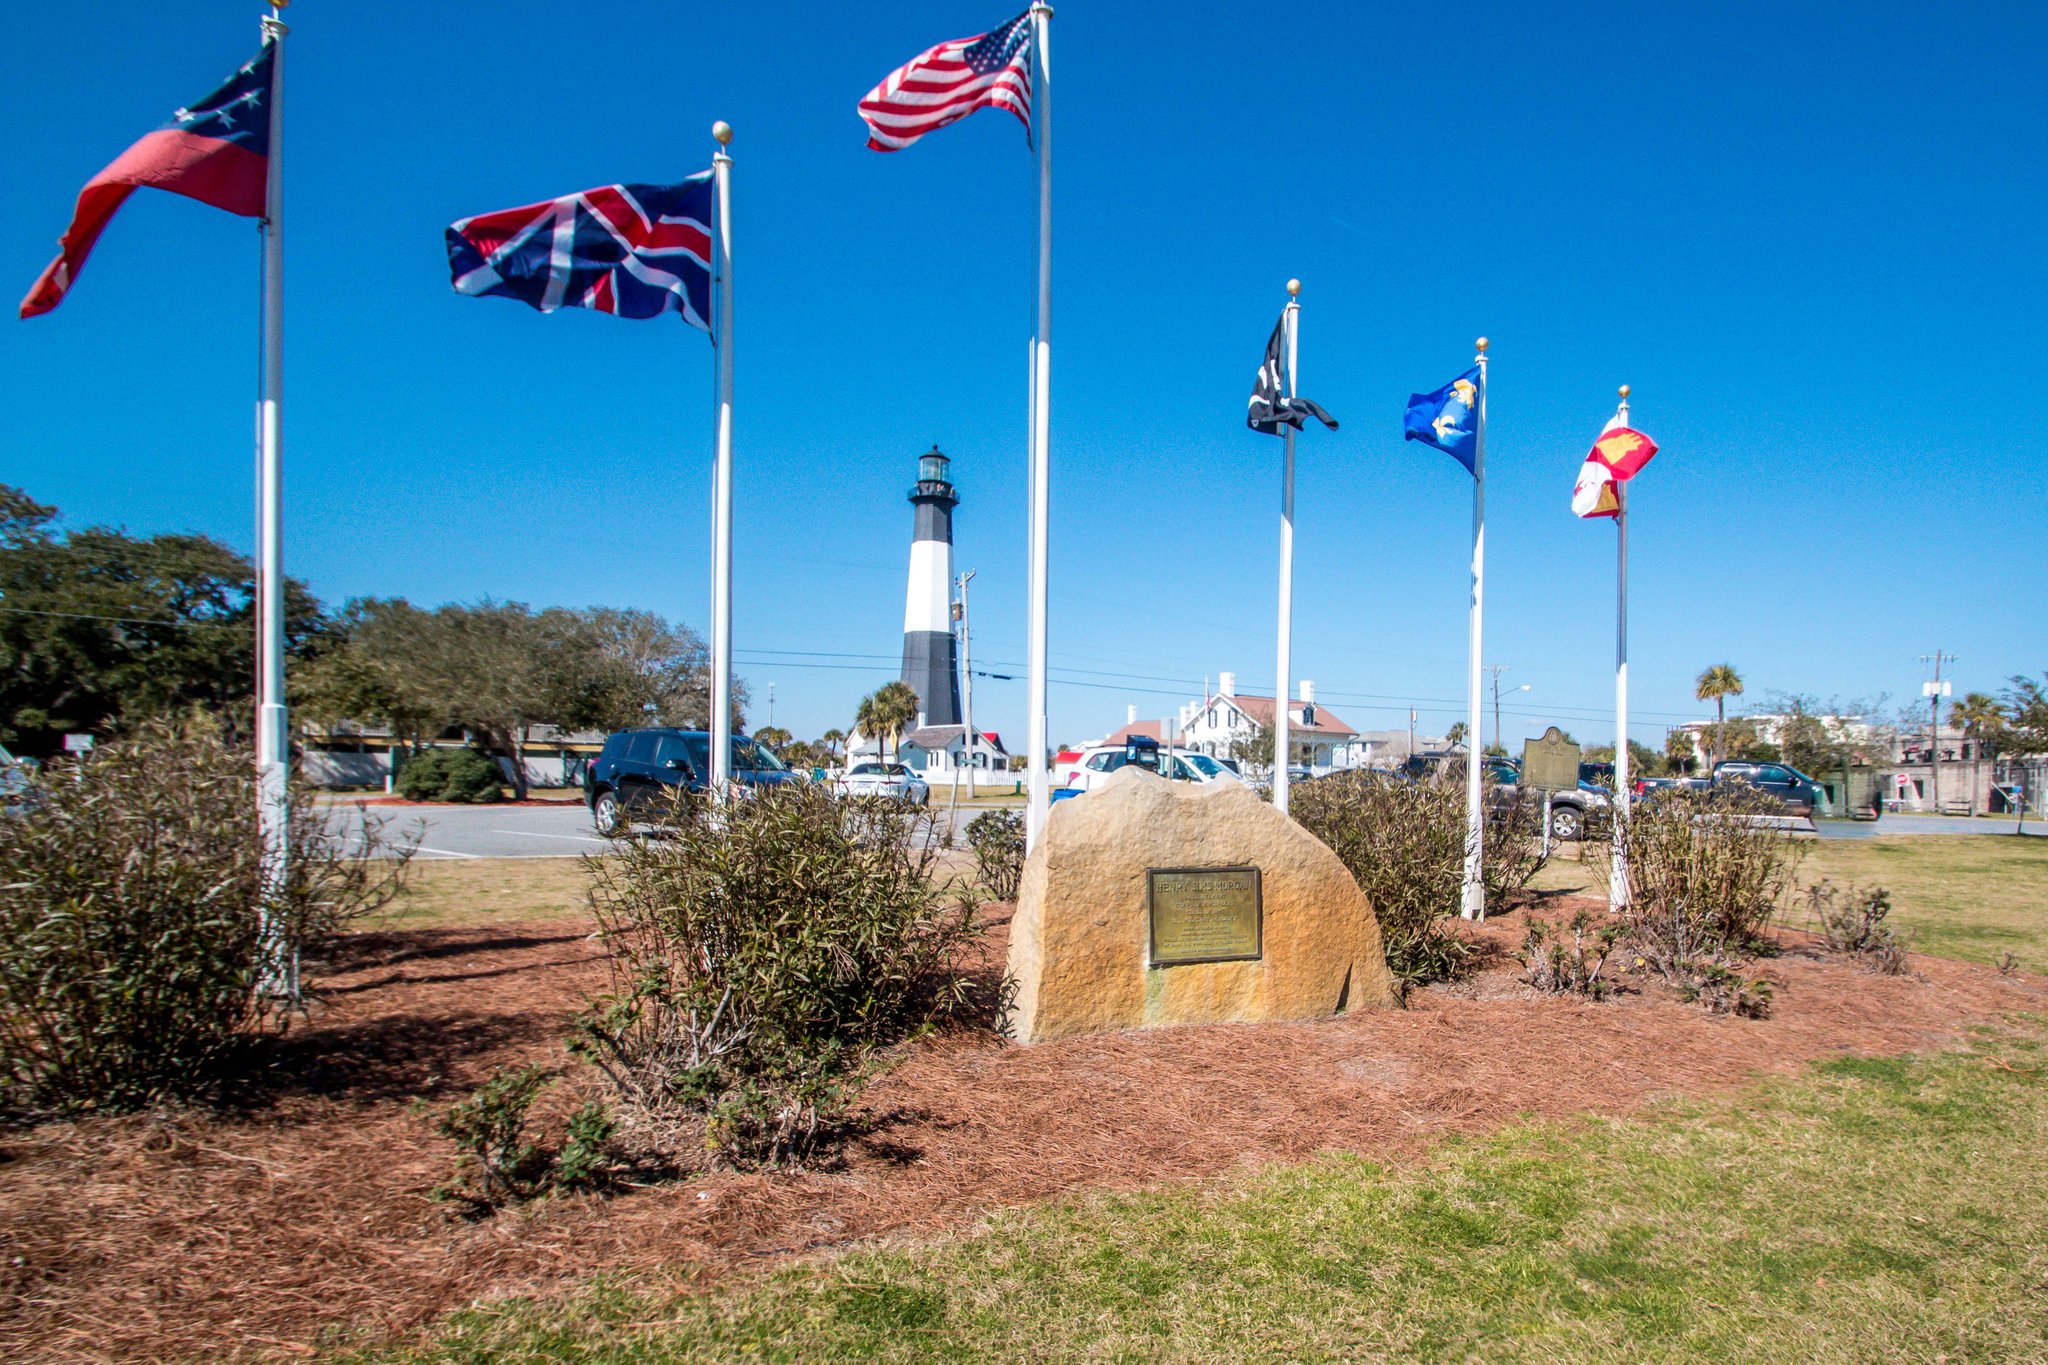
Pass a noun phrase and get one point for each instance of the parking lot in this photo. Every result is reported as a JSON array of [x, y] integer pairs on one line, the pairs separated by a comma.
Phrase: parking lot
[[506, 831]]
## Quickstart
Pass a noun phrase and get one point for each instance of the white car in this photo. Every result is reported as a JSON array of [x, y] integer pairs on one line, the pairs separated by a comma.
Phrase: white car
[[1100, 760], [892, 780]]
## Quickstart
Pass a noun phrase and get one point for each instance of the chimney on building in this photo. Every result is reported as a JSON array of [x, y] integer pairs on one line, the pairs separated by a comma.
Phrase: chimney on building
[[1130, 715], [1226, 684], [931, 663], [1308, 692]]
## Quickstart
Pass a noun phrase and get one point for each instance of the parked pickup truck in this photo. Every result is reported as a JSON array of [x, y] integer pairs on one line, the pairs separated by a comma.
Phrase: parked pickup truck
[[1570, 811], [1799, 792]]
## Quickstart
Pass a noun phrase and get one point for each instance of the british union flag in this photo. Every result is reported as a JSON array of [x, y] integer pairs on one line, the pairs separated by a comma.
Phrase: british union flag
[[634, 250]]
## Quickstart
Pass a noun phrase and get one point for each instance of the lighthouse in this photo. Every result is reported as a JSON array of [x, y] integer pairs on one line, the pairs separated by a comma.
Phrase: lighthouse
[[930, 665]]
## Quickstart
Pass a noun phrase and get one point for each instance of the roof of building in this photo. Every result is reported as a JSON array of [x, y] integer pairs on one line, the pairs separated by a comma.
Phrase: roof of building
[[939, 736], [1148, 728], [1259, 710]]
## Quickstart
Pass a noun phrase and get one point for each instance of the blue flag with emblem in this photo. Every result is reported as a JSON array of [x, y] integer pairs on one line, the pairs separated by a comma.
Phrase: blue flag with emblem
[[1447, 419]]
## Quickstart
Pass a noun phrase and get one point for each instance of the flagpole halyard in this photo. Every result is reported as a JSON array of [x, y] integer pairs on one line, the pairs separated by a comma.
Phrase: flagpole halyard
[[1473, 898], [1284, 668], [273, 739], [1041, 436], [1617, 884], [720, 776]]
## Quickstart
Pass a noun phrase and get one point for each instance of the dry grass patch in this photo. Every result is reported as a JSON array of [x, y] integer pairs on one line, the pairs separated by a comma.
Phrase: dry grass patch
[[1973, 897], [453, 894]]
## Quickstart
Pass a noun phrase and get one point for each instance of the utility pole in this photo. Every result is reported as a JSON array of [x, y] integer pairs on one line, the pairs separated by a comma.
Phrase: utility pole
[[966, 697], [1935, 691], [1496, 670], [771, 706], [966, 682]]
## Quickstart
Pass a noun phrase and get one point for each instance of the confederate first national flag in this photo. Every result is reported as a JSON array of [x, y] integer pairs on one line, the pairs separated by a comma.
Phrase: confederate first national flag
[[215, 150]]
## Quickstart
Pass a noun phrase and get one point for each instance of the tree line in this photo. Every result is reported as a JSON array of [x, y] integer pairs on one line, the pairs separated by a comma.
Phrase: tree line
[[100, 628]]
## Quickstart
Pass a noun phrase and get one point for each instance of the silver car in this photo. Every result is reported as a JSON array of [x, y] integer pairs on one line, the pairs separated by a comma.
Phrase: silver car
[[891, 780]]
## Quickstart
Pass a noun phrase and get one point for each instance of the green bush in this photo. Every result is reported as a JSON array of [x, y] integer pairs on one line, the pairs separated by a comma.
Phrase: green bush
[[133, 958], [1706, 871], [1706, 875], [1855, 923], [451, 775], [1404, 843], [502, 1161], [1575, 968], [997, 839], [761, 959]]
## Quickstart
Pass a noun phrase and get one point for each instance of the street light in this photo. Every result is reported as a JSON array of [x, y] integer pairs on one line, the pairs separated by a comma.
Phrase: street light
[[1496, 670]]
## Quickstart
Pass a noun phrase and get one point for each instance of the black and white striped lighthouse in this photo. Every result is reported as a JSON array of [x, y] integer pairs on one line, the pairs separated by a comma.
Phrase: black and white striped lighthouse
[[930, 664]]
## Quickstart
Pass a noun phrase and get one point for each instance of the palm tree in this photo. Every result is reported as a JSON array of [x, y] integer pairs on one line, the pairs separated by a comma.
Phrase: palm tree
[[1716, 685], [1455, 735], [898, 707], [832, 739], [1978, 717], [867, 719], [886, 712]]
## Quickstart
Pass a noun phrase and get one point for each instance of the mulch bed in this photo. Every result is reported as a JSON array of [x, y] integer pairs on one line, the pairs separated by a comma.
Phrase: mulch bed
[[208, 1235]]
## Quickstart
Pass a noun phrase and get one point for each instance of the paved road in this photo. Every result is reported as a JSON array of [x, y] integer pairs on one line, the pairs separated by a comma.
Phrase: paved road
[[1920, 824], [565, 831], [501, 831]]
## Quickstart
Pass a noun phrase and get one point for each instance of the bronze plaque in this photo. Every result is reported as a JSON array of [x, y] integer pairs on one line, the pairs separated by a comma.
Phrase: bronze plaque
[[1550, 764], [1204, 914]]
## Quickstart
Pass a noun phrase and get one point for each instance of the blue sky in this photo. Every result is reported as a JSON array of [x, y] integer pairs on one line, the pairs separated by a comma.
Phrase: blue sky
[[1808, 237]]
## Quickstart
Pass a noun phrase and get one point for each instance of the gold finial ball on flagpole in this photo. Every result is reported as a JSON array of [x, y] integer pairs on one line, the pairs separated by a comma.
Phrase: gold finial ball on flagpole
[[1481, 344], [1294, 289], [1624, 390], [721, 132]]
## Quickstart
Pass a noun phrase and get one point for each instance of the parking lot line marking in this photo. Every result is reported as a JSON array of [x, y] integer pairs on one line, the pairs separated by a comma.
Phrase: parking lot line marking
[[539, 834], [448, 852]]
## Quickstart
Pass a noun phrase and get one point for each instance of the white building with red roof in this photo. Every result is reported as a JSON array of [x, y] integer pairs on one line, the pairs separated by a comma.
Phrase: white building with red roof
[[1220, 723]]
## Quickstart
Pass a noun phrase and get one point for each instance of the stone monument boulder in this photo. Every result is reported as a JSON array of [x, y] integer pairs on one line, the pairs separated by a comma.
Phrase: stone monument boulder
[[1149, 902]]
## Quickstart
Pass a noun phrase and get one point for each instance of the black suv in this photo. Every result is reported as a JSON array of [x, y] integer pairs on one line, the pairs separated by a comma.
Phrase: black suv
[[638, 766]]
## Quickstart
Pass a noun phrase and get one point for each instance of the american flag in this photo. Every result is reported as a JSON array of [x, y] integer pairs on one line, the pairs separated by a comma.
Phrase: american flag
[[636, 251], [951, 81]]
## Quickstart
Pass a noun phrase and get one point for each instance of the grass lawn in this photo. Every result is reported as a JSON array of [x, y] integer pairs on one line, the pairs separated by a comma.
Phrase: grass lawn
[[1971, 898], [1870, 1210], [451, 893], [1974, 898]]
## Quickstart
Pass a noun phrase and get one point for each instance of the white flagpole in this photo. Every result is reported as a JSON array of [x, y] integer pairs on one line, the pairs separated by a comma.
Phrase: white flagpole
[[1281, 726], [721, 482], [273, 737], [1041, 430], [1473, 900], [1617, 885]]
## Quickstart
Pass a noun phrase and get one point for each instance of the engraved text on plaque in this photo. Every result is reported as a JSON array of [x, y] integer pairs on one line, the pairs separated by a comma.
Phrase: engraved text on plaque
[[1203, 914]]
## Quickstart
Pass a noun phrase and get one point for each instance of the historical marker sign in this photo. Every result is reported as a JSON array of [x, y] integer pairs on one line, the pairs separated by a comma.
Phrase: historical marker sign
[[1550, 764], [1204, 914]]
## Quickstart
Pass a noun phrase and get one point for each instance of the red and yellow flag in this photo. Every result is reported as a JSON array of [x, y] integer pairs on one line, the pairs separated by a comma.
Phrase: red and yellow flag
[[1616, 456]]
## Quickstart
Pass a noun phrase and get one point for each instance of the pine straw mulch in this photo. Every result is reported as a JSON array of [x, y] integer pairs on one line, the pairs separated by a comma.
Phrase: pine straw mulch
[[249, 1233]]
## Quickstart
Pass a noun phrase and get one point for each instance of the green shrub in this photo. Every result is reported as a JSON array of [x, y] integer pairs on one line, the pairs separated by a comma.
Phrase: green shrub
[[1719, 985], [503, 1161], [1706, 877], [133, 957], [760, 960], [1704, 872], [464, 775], [490, 1128], [1575, 968], [1404, 843], [1855, 923], [997, 839]]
